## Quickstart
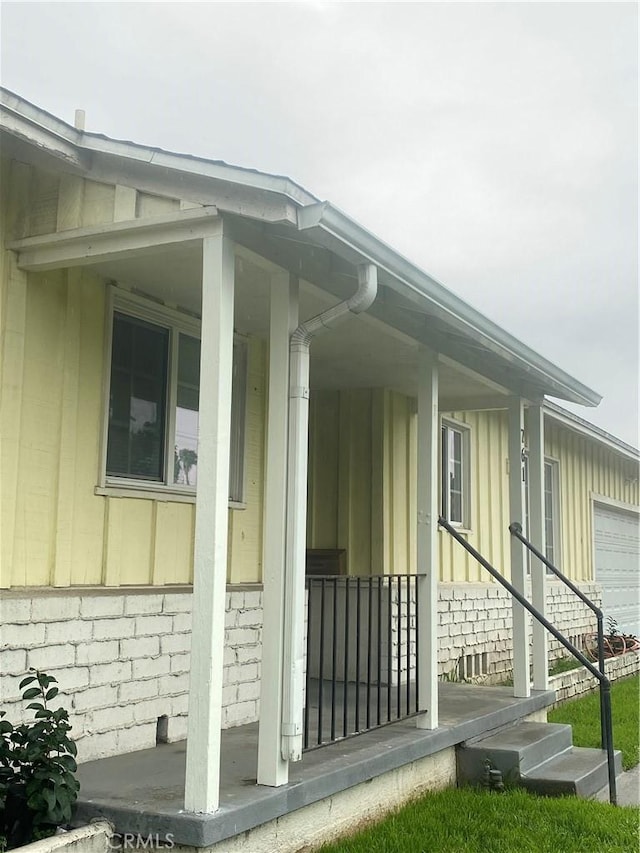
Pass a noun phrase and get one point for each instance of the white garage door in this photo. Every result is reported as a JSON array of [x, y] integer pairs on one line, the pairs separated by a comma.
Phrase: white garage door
[[617, 560]]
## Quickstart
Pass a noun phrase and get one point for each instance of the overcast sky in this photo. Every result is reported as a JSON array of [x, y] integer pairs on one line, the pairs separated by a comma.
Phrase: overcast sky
[[495, 145]]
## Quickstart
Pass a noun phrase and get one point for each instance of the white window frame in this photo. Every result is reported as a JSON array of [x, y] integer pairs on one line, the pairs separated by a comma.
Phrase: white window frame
[[131, 304], [554, 465], [465, 432]]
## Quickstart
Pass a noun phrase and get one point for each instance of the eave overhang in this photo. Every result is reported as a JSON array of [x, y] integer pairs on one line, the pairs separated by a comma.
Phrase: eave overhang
[[579, 425], [81, 149], [410, 299], [342, 235]]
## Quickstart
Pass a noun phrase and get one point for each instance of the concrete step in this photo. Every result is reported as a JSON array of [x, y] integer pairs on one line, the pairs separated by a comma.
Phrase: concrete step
[[581, 772], [514, 751]]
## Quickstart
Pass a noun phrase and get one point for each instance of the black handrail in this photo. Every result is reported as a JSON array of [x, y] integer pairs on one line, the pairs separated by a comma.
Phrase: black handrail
[[515, 528], [605, 684]]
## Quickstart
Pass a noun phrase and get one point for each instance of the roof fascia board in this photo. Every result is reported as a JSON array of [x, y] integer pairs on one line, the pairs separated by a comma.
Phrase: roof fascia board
[[54, 132], [32, 133], [194, 165], [243, 201], [335, 223], [576, 424]]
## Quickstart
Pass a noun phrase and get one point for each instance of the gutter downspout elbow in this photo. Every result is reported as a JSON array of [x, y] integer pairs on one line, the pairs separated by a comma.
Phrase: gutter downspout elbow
[[294, 604], [361, 300]]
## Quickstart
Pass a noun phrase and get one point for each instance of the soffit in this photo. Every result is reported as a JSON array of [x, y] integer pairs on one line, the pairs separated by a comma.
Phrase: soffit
[[362, 352]]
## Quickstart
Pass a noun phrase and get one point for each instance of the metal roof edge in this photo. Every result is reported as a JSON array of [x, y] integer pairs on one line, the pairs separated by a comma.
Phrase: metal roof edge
[[97, 143], [36, 115], [578, 424]]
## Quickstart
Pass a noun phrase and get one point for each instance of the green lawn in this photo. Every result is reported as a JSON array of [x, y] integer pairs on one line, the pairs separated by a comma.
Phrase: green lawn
[[469, 820], [583, 715]]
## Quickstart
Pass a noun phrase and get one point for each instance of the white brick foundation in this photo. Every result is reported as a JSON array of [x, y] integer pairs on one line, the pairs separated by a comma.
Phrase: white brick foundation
[[122, 661], [475, 627], [573, 683]]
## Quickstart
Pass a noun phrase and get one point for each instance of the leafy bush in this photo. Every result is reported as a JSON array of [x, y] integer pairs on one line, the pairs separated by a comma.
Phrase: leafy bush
[[38, 788]]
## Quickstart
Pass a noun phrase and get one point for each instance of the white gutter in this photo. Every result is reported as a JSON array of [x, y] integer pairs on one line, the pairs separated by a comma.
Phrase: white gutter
[[294, 651]]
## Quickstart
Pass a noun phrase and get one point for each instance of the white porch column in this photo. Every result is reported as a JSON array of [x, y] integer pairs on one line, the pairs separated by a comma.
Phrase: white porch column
[[273, 769], [210, 556], [427, 539], [537, 537], [521, 686]]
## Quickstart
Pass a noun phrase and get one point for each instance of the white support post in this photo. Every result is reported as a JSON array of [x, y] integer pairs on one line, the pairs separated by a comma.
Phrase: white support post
[[521, 685], [273, 769], [427, 539], [293, 687], [202, 781], [537, 538]]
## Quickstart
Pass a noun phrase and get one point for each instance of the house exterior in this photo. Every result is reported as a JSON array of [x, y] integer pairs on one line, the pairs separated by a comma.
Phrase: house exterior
[[180, 434]]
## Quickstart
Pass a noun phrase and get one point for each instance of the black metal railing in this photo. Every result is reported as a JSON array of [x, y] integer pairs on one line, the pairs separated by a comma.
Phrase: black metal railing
[[515, 529], [362, 655], [605, 685]]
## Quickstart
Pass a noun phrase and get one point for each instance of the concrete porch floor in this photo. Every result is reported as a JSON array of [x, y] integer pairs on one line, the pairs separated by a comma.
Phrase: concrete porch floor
[[142, 792]]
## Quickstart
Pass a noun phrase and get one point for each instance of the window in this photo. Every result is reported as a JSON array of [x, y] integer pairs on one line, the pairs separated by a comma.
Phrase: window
[[454, 475], [154, 384], [551, 509]]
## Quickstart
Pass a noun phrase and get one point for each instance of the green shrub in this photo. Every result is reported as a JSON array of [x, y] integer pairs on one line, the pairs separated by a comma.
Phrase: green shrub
[[38, 789]]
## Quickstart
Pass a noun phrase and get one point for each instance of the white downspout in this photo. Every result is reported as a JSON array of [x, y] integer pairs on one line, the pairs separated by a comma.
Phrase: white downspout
[[294, 650]]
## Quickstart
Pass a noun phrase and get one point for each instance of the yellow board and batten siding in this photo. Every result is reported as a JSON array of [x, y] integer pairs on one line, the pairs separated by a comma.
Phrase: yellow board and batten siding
[[55, 530], [586, 467], [245, 526], [387, 487], [362, 484], [343, 475]]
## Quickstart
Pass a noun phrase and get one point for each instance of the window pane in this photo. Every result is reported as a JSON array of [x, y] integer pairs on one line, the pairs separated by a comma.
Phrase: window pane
[[456, 507], [135, 440], [452, 474], [549, 511], [444, 478], [238, 417], [121, 354], [456, 444], [526, 497], [185, 451], [455, 475], [149, 349]]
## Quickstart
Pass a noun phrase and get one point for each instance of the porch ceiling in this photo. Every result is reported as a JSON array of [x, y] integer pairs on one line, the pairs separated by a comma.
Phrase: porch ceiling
[[363, 352], [378, 349]]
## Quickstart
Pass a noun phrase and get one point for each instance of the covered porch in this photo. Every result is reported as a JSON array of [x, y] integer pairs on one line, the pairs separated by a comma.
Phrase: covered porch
[[291, 281], [143, 792]]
